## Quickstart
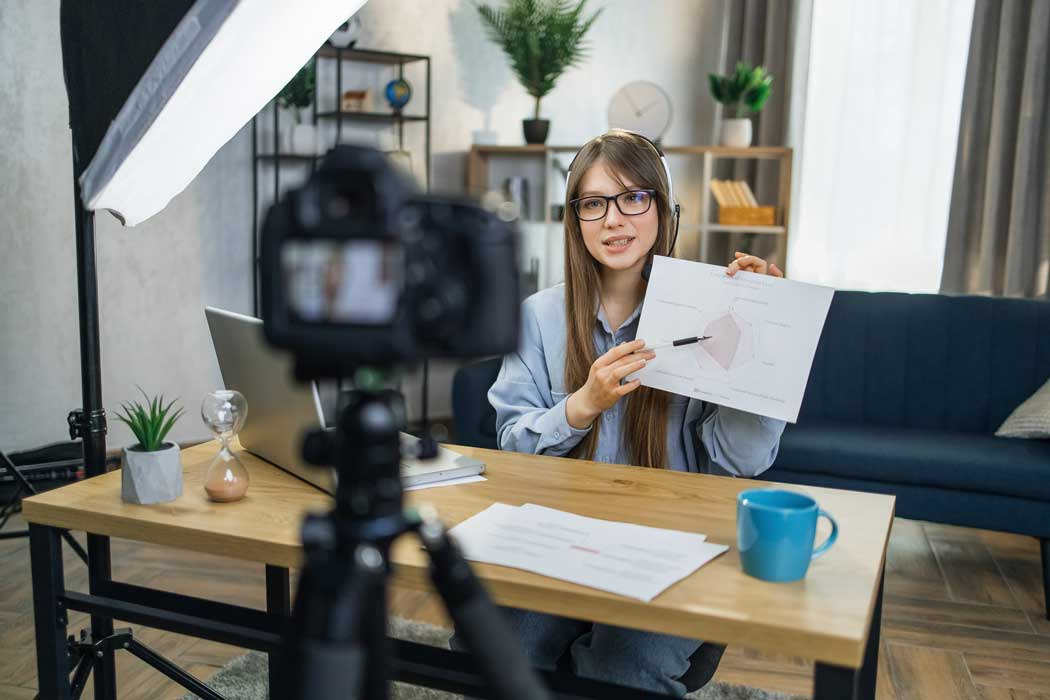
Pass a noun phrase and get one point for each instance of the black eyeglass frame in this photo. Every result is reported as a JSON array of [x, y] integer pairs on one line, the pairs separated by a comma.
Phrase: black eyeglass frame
[[614, 198]]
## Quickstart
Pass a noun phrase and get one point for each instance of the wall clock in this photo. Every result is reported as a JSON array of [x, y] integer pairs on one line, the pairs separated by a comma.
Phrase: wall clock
[[643, 107]]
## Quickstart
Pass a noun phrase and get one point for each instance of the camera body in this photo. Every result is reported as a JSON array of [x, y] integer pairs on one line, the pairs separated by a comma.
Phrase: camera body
[[359, 269]]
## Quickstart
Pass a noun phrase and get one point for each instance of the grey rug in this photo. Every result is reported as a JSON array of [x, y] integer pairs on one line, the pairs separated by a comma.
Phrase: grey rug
[[245, 678]]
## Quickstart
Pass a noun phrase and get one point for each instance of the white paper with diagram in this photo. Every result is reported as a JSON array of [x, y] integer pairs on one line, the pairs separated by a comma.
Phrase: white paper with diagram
[[763, 332]]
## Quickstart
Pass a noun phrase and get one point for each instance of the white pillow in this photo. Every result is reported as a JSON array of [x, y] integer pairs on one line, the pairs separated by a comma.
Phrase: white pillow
[[1031, 419]]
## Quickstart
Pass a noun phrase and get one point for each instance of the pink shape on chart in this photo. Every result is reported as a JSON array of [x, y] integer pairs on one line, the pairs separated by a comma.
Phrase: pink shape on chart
[[725, 339]]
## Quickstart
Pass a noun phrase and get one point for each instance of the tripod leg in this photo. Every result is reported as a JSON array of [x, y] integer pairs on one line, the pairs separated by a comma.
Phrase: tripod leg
[[172, 671], [75, 546], [80, 676], [9, 508], [324, 655], [490, 641], [373, 631], [277, 603], [24, 485]]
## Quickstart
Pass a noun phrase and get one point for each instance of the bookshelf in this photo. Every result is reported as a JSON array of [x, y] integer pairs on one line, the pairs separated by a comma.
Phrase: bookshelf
[[544, 165], [283, 167]]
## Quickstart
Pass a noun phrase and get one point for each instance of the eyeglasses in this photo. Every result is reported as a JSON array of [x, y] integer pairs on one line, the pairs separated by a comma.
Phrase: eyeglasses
[[630, 203]]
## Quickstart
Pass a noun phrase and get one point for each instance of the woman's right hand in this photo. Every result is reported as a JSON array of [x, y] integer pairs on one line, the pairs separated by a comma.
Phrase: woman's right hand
[[603, 389]]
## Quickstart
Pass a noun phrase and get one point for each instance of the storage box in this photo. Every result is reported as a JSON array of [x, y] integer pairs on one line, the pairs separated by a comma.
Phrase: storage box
[[747, 216]]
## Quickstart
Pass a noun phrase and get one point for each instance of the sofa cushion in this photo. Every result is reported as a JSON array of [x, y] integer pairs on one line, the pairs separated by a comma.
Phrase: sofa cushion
[[960, 461], [1031, 419]]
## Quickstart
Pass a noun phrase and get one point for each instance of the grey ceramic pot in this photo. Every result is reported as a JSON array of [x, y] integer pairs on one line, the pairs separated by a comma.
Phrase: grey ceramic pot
[[151, 477]]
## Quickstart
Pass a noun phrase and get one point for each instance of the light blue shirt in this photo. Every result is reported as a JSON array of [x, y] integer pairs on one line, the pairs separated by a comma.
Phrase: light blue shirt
[[529, 396]]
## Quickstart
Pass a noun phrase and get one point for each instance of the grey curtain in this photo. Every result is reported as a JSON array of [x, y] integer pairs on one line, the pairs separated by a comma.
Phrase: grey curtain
[[998, 238], [761, 33]]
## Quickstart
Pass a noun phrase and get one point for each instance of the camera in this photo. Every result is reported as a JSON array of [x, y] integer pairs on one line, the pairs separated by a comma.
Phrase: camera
[[358, 268]]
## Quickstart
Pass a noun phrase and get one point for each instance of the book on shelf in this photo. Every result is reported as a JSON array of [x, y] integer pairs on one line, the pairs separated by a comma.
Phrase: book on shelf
[[738, 206], [733, 193]]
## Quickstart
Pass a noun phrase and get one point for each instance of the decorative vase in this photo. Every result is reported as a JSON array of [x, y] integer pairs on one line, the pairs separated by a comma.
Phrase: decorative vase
[[151, 477], [535, 130], [304, 139], [736, 133]]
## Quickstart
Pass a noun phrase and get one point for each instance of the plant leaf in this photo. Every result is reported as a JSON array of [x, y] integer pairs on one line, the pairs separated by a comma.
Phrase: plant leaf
[[541, 38], [150, 422]]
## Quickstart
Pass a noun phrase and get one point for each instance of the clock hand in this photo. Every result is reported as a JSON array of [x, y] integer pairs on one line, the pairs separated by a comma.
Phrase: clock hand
[[649, 106], [633, 105]]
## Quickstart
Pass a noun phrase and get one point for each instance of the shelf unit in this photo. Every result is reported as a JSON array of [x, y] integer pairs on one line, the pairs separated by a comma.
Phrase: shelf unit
[[482, 157], [340, 116]]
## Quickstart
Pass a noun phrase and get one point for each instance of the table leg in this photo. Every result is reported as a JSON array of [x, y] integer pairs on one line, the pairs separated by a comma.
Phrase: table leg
[[52, 658], [838, 682], [278, 602]]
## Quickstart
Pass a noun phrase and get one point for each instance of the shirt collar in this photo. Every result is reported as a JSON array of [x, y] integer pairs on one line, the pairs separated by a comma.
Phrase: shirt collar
[[630, 319]]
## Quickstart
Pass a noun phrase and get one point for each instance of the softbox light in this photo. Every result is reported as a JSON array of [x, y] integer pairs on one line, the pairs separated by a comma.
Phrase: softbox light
[[221, 64]]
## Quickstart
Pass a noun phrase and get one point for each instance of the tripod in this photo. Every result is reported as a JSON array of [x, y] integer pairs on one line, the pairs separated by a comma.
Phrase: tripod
[[336, 646]]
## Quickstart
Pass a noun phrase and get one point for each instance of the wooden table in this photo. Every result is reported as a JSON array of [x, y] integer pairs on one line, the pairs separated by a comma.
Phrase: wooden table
[[831, 617]]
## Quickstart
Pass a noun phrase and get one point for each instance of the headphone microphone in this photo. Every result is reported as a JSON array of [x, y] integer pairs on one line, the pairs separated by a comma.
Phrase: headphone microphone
[[676, 211]]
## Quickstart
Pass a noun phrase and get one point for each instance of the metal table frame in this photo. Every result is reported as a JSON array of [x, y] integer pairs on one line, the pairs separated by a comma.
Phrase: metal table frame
[[413, 663]]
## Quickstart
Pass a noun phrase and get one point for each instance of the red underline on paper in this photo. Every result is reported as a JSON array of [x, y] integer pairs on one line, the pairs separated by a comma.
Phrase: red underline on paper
[[584, 549]]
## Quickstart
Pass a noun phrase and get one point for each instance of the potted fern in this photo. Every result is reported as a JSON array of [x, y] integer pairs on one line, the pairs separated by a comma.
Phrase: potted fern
[[541, 39], [743, 91], [296, 96], [152, 468]]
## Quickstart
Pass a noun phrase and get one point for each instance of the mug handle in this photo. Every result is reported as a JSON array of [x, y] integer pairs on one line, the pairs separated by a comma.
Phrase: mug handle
[[831, 538]]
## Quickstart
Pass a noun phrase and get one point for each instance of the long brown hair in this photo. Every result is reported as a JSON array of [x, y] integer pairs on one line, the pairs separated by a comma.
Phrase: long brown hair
[[627, 155]]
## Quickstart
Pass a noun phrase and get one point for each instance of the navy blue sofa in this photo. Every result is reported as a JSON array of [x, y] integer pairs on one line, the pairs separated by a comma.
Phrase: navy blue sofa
[[904, 397]]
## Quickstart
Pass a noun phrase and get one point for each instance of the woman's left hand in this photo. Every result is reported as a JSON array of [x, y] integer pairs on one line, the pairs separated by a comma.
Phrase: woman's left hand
[[751, 263]]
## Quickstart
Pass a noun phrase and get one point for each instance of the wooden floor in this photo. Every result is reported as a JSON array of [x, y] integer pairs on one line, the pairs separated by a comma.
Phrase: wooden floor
[[962, 618]]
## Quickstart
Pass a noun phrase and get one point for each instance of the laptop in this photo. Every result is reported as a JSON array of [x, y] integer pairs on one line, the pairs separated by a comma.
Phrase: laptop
[[281, 409]]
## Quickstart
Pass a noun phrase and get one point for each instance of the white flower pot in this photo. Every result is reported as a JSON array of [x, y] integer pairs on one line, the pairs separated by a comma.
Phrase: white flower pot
[[736, 133], [304, 139], [151, 477]]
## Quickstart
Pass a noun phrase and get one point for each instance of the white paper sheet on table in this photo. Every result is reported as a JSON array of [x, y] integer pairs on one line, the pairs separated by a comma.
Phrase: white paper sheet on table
[[764, 331], [632, 560]]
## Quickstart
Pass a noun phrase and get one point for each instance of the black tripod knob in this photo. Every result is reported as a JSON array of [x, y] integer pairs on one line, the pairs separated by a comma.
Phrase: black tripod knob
[[317, 448]]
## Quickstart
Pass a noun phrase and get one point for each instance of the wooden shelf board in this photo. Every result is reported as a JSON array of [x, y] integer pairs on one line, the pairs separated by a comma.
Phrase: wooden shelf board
[[371, 116], [368, 56], [717, 151]]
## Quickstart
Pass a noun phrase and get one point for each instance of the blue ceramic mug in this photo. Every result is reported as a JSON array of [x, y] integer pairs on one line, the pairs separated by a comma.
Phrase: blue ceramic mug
[[775, 530]]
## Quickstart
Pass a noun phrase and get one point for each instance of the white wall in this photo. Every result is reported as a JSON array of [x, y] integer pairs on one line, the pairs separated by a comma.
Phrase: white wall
[[155, 278]]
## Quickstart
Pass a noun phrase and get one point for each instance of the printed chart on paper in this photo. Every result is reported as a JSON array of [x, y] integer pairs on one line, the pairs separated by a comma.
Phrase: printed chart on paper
[[763, 334]]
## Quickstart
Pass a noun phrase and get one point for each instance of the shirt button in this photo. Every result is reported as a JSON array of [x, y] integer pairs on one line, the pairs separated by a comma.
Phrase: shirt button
[[609, 417], [557, 433]]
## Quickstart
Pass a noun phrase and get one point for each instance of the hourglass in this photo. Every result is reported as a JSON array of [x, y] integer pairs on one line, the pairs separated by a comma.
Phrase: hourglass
[[224, 411]]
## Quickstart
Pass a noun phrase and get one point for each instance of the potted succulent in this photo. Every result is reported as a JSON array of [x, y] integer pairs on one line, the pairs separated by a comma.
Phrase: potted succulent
[[742, 92], [541, 39], [296, 96], [151, 471]]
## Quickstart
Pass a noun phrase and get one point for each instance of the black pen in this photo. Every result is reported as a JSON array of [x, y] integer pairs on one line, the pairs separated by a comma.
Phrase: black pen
[[680, 341]]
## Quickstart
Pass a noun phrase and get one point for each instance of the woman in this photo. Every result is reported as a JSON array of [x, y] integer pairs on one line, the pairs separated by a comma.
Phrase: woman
[[565, 391]]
